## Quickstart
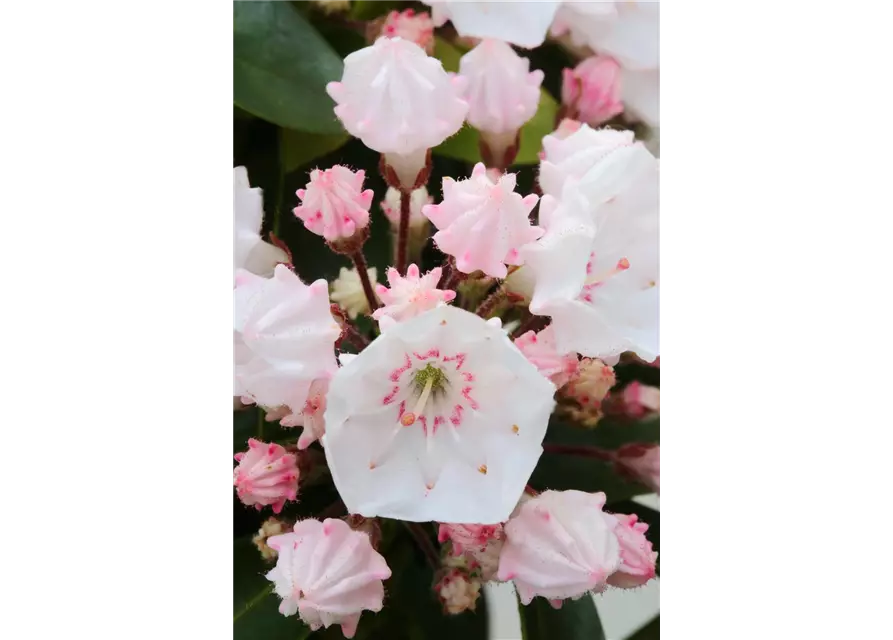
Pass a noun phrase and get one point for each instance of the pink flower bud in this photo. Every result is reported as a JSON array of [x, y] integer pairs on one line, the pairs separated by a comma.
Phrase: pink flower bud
[[411, 295], [643, 462], [266, 475], [469, 536], [333, 205], [640, 400], [559, 545], [458, 591], [592, 90], [636, 556], [540, 349], [592, 383], [328, 574], [412, 26]]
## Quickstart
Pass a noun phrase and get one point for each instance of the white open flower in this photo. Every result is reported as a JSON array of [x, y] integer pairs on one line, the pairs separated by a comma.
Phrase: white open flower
[[249, 251], [439, 408], [284, 337], [596, 266], [571, 156], [524, 25]]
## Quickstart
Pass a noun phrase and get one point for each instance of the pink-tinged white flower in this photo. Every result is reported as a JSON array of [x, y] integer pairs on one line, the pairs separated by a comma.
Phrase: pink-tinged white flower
[[249, 251], [596, 266], [334, 204], [469, 536], [284, 338], [312, 414], [525, 27], [390, 206], [540, 349], [483, 224], [592, 90], [643, 462], [328, 574], [266, 475], [399, 102], [411, 295], [438, 408], [636, 556], [502, 92], [629, 32], [457, 591], [347, 291], [412, 26], [592, 383], [572, 154], [559, 545]]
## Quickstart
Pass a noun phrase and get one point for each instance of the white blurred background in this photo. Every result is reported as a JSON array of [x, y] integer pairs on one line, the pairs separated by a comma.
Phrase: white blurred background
[[621, 611]]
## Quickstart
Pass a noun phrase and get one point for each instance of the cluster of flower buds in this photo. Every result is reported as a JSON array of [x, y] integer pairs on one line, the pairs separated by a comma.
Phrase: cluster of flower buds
[[440, 412]]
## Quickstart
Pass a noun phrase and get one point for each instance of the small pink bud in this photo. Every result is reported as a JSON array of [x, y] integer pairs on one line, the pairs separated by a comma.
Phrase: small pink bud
[[333, 205], [266, 475], [637, 559], [592, 90]]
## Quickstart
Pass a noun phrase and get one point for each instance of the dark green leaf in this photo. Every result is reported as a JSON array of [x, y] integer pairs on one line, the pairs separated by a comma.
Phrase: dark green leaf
[[464, 145], [255, 606], [298, 148], [250, 423], [608, 434], [563, 472], [575, 620], [650, 631], [281, 66], [369, 9]]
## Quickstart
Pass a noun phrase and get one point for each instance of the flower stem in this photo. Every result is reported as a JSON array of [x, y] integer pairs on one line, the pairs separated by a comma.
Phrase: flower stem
[[578, 450], [418, 532], [532, 322], [360, 262], [403, 233]]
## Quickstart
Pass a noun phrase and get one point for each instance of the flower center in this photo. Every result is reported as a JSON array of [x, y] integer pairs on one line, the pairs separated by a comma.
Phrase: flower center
[[427, 381]]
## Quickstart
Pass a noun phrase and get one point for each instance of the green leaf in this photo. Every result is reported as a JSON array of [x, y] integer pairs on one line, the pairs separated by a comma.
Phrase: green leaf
[[298, 148], [250, 423], [464, 145], [369, 9], [281, 66], [650, 631], [575, 620], [608, 434], [255, 606]]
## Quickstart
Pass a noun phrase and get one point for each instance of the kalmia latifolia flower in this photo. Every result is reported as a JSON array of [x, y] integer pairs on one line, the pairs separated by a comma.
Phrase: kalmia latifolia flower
[[637, 559], [559, 545], [412, 295], [249, 251], [592, 90], [525, 27], [468, 536], [483, 224], [266, 475], [458, 591], [284, 338], [597, 264], [412, 26], [347, 291], [572, 150], [502, 95], [540, 349], [327, 574], [334, 204], [399, 102], [438, 408]]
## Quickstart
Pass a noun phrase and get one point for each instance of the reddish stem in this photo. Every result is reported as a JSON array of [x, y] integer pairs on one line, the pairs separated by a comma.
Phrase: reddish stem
[[403, 233], [578, 450], [422, 539], [360, 263], [490, 302]]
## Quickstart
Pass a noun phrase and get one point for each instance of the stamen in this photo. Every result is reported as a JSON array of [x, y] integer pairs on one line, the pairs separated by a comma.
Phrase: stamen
[[622, 265], [409, 418]]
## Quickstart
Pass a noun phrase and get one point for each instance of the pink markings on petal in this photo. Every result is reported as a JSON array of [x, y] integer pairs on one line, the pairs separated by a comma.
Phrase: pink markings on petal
[[396, 373], [401, 409], [469, 377], [431, 353], [456, 417], [459, 359], [438, 422], [388, 399], [466, 393], [424, 422]]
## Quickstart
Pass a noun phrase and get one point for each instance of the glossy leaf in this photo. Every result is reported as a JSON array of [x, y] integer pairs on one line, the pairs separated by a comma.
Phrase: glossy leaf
[[255, 606], [650, 631], [465, 144], [281, 66], [575, 620], [299, 148]]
